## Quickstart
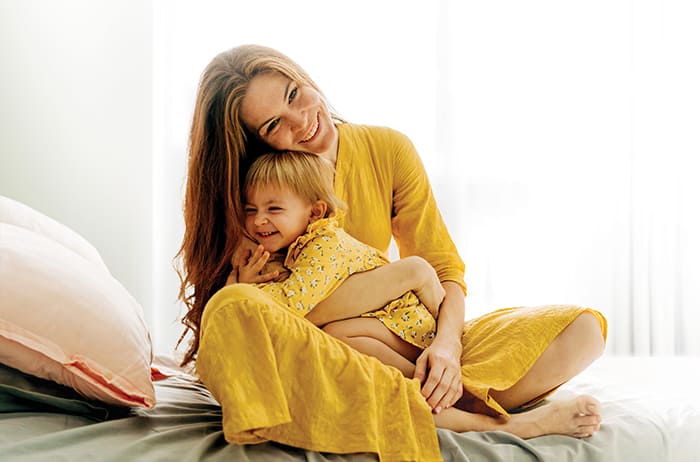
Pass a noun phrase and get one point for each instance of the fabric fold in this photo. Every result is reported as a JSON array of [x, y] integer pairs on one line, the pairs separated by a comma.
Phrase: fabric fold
[[280, 378], [499, 348]]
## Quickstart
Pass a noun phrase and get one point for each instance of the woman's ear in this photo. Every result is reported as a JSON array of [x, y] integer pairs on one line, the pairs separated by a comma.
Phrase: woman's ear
[[318, 210]]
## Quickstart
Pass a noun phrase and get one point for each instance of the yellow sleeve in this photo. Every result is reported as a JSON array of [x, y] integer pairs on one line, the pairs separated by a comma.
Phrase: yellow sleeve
[[417, 224]]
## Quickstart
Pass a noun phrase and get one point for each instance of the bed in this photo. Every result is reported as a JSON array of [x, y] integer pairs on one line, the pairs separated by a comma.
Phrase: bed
[[76, 378], [649, 407]]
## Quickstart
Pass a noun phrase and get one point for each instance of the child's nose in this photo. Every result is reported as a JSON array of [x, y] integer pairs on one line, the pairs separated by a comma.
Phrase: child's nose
[[260, 220]]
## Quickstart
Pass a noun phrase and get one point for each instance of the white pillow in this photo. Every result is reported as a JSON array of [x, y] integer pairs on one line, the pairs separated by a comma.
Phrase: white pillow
[[19, 214], [66, 319]]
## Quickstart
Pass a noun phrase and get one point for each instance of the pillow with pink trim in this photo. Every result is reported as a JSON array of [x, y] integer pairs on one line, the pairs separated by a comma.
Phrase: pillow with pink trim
[[63, 317]]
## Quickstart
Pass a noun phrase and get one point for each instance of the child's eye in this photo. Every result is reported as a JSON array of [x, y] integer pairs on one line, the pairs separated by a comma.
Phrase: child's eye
[[275, 209], [248, 210]]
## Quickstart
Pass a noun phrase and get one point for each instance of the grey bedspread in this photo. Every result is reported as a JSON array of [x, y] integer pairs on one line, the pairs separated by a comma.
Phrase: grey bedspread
[[42, 421]]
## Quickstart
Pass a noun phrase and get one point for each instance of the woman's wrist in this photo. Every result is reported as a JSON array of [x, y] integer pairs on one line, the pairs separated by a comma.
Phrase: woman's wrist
[[451, 320]]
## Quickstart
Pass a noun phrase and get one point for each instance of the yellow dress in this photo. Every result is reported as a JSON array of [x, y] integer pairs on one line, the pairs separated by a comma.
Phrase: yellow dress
[[323, 258], [280, 378], [381, 178]]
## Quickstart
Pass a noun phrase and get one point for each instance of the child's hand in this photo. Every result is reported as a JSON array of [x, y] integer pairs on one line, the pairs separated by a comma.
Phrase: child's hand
[[428, 287], [433, 310], [251, 264]]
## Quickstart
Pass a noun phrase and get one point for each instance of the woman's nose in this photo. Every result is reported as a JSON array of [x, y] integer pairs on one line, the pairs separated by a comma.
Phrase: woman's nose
[[298, 119]]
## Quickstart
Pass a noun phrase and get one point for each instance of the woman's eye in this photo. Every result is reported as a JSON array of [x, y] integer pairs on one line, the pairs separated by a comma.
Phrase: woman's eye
[[271, 126], [292, 95]]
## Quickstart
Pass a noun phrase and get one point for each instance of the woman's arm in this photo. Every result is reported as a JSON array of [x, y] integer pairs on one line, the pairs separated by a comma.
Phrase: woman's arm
[[420, 230], [371, 290]]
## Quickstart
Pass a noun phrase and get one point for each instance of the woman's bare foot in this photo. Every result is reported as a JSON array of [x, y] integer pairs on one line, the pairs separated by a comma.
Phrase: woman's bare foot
[[579, 417]]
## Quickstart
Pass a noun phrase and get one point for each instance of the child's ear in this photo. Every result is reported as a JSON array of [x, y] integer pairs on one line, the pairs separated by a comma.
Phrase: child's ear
[[318, 210]]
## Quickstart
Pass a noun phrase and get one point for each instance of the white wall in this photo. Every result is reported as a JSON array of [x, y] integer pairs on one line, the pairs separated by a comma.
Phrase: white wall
[[560, 138], [360, 70], [75, 123]]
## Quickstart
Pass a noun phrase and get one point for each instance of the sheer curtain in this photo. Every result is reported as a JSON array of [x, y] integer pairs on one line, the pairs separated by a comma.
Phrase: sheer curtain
[[560, 138]]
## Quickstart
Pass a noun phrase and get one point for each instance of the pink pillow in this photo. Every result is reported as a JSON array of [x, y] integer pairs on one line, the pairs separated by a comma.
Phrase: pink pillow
[[63, 317], [17, 213]]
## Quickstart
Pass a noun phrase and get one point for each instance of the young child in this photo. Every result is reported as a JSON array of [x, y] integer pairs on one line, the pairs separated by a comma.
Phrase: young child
[[290, 206]]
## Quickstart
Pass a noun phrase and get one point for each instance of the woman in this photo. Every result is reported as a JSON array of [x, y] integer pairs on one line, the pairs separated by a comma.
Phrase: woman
[[252, 99]]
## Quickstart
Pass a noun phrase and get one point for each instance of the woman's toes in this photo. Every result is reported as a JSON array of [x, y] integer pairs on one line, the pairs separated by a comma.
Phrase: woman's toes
[[587, 405], [586, 431], [587, 420]]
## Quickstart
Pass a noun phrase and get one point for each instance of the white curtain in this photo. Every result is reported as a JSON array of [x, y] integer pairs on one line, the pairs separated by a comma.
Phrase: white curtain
[[560, 137]]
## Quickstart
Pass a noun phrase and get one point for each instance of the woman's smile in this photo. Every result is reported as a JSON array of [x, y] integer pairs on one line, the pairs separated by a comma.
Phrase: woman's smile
[[314, 130], [289, 115]]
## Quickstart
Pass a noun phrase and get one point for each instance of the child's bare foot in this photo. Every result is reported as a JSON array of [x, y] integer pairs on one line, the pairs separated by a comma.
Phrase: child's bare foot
[[579, 417]]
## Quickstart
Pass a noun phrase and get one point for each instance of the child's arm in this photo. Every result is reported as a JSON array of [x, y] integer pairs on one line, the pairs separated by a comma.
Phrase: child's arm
[[312, 276], [371, 290]]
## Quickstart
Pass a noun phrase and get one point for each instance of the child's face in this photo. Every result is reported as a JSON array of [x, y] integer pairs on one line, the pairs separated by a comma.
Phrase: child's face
[[275, 217]]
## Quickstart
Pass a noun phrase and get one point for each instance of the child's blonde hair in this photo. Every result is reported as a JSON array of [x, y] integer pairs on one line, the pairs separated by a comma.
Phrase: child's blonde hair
[[308, 175]]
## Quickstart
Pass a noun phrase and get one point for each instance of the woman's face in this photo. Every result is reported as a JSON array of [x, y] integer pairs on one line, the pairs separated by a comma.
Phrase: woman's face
[[289, 116]]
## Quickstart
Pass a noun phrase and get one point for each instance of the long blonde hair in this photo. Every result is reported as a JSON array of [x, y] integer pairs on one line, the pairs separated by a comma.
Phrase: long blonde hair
[[307, 175], [220, 150]]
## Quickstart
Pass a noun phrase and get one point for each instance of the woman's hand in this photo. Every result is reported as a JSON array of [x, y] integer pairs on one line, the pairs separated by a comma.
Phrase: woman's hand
[[251, 264], [441, 363], [427, 285], [438, 368]]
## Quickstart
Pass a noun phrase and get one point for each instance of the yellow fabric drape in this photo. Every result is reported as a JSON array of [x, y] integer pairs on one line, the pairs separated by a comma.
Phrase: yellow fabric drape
[[499, 348], [278, 377]]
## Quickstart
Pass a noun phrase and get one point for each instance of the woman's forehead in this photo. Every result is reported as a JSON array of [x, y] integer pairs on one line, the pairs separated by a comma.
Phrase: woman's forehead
[[265, 94]]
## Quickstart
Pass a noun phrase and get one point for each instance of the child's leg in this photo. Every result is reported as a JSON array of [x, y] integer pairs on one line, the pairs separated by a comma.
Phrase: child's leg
[[371, 337]]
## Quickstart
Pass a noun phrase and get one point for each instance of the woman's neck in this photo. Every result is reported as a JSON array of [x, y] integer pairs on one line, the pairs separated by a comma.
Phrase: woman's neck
[[332, 153]]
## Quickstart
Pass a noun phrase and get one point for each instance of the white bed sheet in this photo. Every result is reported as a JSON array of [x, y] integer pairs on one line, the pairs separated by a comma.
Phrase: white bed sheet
[[649, 409], [651, 401]]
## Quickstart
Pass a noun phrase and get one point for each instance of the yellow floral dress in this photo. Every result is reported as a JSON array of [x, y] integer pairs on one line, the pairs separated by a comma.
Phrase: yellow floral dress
[[322, 258]]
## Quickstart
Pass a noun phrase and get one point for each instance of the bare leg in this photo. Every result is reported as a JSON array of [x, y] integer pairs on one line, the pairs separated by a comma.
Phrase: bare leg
[[574, 349], [371, 337], [579, 417], [578, 345]]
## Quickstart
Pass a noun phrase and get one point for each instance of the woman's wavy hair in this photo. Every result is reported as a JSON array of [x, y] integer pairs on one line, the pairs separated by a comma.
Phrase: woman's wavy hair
[[220, 150]]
